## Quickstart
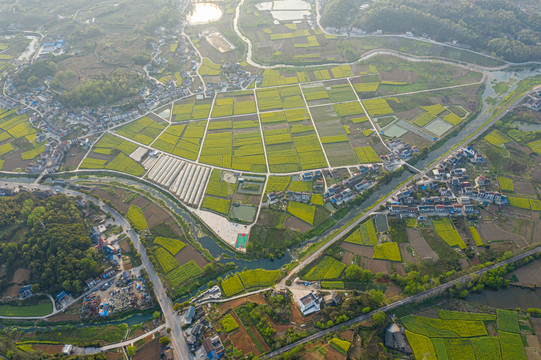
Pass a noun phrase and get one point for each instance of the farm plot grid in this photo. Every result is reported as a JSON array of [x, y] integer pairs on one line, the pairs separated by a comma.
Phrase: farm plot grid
[[462, 335], [286, 126]]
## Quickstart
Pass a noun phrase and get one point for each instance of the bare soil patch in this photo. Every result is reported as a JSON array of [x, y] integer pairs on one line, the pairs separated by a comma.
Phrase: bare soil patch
[[149, 351], [409, 114], [155, 215], [376, 265], [294, 223], [116, 199], [406, 255], [529, 274], [365, 251], [13, 290], [48, 349], [21, 276], [492, 232], [333, 354], [524, 188], [114, 355], [464, 263], [233, 304], [187, 254], [421, 247], [65, 317], [536, 325], [348, 258]]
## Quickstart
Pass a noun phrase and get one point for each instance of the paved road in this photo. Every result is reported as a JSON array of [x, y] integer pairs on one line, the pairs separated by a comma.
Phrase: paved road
[[231, 298], [414, 298], [95, 350]]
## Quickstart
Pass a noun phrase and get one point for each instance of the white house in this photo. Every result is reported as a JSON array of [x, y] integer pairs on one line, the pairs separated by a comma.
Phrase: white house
[[310, 303]]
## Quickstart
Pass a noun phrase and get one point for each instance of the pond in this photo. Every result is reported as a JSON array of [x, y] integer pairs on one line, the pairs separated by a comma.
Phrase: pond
[[204, 13], [508, 298], [290, 10]]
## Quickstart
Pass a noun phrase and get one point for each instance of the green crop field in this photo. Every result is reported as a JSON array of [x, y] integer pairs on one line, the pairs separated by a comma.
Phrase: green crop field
[[300, 186], [232, 285], [165, 259], [387, 251], [109, 142], [218, 205], [30, 154], [421, 346], [208, 68], [332, 285], [340, 345], [459, 315], [506, 184], [452, 119], [463, 328], [486, 347], [277, 183], [144, 130], [182, 140], [476, 237], [171, 245], [136, 218], [302, 211], [443, 328], [424, 119], [448, 233], [367, 155], [511, 346], [188, 271], [377, 107], [496, 138], [228, 323], [317, 199], [259, 278], [88, 163], [365, 235], [535, 146], [27, 311], [348, 109], [524, 203], [327, 269], [507, 320], [459, 349], [126, 165], [216, 187], [6, 148]]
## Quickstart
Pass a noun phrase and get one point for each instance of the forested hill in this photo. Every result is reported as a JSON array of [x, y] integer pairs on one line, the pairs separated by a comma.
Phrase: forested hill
[[499, 27], [50, 238]]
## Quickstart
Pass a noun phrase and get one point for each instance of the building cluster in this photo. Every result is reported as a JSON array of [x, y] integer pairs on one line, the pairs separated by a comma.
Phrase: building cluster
[[129, 293], [314, 301], [450, 191], [201, 338], [346, 190], [534, 101]]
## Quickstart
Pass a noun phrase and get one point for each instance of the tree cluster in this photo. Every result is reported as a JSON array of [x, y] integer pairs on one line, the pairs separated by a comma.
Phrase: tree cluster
[[56, 246], [103, 89], [496, 26]]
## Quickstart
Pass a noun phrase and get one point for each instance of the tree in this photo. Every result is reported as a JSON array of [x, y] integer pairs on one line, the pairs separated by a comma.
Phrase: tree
[[379, 318], [164, 341], [157, 315], [9, 354], [131, 350], [376, 297]]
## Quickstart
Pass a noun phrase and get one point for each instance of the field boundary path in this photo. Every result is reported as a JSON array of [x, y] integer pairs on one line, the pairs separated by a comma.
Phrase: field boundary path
[[94, 350]]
